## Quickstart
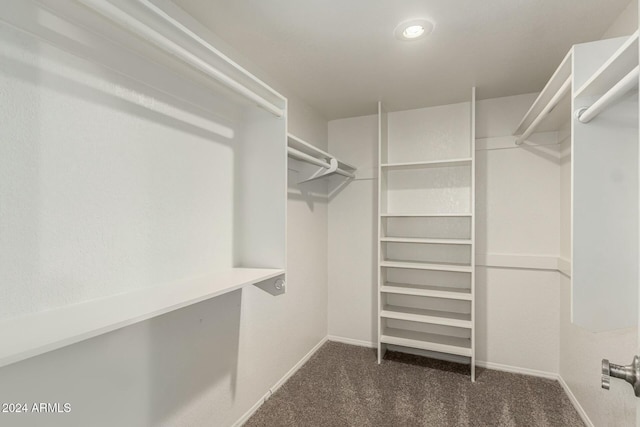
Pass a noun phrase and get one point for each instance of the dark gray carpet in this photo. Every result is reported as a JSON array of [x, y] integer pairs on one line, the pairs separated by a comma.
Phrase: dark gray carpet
[[342, 385]]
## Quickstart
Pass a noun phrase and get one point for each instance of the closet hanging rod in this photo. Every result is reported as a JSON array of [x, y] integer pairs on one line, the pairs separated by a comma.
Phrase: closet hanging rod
[[123, 19], [627, 83], [546, 110], [318, 162]]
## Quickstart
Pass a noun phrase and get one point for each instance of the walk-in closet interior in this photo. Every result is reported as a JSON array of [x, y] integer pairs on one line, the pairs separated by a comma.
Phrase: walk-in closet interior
[[356, 213]]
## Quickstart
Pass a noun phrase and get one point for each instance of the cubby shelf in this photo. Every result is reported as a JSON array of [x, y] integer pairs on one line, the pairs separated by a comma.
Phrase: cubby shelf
[[31, 335], [435, 317], [426, 291], [425, 341], [426, 240], [427, 266], [428, 164], [427, 215]]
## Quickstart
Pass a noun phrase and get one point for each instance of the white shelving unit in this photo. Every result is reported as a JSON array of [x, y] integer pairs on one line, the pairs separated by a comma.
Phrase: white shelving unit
[[241, 123], [604, 184], [592, 98], [426, 267]]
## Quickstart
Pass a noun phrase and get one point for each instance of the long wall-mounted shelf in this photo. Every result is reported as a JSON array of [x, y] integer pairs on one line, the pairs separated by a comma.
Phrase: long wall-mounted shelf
[[31, 335]]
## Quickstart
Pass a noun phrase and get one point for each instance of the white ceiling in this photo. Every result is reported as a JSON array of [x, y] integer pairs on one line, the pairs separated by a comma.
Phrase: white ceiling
[[341, 57]]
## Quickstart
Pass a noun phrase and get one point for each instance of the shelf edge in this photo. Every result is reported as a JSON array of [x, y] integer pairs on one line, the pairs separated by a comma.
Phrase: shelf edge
[[56, 319]]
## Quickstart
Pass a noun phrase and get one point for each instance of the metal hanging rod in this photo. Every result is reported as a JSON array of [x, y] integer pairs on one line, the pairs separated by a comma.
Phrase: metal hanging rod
[[315, 161], [627, 83], [546, 110], [142, 30]]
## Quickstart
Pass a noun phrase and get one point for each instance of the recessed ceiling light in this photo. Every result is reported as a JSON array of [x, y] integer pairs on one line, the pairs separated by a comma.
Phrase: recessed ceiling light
[[413, 30]]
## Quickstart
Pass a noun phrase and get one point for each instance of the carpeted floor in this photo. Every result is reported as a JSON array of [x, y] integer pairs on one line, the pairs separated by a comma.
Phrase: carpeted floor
[[342, 385]]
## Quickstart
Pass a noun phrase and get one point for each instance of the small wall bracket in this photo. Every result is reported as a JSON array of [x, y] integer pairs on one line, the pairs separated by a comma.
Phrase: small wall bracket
[[323, 172], [274, 286]]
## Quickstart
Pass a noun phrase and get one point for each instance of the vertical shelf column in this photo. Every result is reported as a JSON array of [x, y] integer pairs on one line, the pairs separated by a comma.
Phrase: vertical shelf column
[[383, 139], [426, 232]]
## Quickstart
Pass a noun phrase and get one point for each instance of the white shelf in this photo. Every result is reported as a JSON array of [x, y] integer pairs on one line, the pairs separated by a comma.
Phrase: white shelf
[[427, 291], [429, 164], [425, 341], [427, 266], [624, 60], [446, 318], [303, 146], [31, 335], [426, 215], [426, 240], [559, 115]]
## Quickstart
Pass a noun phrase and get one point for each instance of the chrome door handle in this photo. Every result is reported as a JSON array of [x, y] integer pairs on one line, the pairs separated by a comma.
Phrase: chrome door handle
[[629, 373]]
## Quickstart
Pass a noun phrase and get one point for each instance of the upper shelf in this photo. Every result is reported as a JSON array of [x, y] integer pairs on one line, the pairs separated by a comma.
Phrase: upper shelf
[[428, 164], [31, 335], [623, 61], [173, 31], [552, 107]]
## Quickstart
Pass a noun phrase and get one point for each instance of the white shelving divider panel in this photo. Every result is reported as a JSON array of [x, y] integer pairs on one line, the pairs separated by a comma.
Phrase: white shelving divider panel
[[604, 189], [604, 177], [157, 70], [426, 267]]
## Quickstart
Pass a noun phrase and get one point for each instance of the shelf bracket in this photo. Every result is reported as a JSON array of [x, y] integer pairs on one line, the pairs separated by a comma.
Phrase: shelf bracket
[[274, 286], [323, 172]]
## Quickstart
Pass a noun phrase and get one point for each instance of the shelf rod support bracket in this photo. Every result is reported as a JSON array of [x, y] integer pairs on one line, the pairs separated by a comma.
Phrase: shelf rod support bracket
[[274, 286], [323, 172]]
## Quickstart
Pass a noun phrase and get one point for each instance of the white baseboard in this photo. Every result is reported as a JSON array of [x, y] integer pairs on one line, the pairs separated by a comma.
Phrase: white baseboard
[[575, 402], [359, 343], [517, 370], [278, 384]]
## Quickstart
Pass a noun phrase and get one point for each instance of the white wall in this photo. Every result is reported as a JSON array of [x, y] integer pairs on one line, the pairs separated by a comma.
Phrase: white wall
[[625, 24], [206, 364], [518, 220]]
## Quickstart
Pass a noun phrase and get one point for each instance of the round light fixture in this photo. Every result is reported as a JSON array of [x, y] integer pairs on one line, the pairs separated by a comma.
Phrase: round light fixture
[[414, 29]]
